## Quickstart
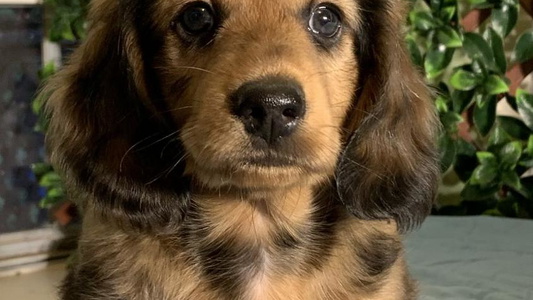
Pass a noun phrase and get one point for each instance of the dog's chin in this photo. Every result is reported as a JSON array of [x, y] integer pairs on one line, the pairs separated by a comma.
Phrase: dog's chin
[[258, 175]]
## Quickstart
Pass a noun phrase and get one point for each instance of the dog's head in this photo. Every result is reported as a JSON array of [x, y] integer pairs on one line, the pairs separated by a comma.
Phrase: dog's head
[[248, 94]]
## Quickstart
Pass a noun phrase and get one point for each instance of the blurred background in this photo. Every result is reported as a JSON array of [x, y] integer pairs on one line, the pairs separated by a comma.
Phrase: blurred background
[[476, 54]]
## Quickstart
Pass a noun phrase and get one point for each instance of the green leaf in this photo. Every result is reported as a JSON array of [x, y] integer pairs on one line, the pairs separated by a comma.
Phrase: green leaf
[[485, 114], [487, 171], [447, 13], [37, 105], [462, 100], [530, 146], [447, 152], [498, 137], [479, 69], [41, 168], [49, 201], [526, 163], [422, 20], [494, 85], [504, 19], [48, 70], [496, 44], [523, 50], [464, 80], [524, 102], [511, 101], [449, 37], [478, 192], [508, 2], [487, 158], [441, 104], [56, 192], [437, 59], [510, 154], [484, 174], [479, 3], [79, 28], [450, 120], [478, 49], [510, 178], [49, 180], [514, 127], [416, 55]]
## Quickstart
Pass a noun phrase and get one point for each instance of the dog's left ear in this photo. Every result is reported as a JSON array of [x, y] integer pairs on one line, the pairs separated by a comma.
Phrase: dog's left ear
[[110, 134], [389, 167]]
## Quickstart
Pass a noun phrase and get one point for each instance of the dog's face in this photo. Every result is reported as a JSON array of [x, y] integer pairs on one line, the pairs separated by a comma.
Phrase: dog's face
[[249, 94], [259, 88]]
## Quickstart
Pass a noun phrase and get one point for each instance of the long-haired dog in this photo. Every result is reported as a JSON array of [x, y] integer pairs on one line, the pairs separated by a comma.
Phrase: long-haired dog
[[243, 149]]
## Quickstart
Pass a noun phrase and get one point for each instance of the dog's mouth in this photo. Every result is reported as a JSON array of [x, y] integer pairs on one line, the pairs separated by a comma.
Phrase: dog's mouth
[[267, 161], [259, 171]]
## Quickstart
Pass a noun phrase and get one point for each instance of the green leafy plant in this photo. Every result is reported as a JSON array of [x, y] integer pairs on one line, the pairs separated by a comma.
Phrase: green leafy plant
[[66, 25], [66, 19], [44, 172], [487, 156]]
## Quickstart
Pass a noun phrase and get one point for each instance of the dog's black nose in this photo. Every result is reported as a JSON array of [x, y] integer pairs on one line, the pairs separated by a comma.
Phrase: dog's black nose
[[270, 108]]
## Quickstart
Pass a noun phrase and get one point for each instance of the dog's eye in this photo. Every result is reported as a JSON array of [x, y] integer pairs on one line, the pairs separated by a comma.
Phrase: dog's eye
[[325, 21], [197, 19]]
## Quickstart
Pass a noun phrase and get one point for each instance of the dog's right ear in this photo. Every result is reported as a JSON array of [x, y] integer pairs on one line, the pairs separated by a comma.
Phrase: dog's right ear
[[108, 134], [389, 167]]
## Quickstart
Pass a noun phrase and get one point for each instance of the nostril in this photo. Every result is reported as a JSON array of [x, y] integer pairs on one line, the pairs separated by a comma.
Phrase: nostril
[[252, 112], [290, 113], [257, 113]]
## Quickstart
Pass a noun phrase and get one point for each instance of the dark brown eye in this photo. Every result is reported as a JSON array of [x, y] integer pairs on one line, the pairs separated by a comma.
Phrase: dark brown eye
[[197, 19], [325, 21]]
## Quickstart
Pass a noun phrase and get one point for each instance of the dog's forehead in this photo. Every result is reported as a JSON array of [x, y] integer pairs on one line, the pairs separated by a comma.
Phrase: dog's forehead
[[278, 5], [262, 9]]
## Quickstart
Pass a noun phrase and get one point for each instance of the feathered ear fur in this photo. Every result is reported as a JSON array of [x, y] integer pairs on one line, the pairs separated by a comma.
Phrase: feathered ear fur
[[389, 168], [108, 132]]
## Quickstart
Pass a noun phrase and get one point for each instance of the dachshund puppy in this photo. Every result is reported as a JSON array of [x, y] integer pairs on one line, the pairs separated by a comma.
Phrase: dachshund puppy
[[243, 149]]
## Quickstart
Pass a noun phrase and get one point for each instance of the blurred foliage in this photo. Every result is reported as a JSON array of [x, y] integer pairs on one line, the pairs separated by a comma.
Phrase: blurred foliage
[[489, 154], [44, 172], [66, 19], [66, 24], [490, 158]]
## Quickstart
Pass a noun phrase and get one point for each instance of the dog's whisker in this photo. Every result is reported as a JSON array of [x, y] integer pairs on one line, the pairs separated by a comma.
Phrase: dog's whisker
[[131, 149], [168, 170], [184, 156], [177, 109], [166, 146]]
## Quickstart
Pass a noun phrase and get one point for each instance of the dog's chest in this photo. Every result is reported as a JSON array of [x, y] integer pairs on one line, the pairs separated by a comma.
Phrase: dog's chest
[[260, 282], [246, 254]]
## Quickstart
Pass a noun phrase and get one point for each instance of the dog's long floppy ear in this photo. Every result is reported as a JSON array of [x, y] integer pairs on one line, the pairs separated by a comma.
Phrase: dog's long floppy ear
[[389, 168], [108, 132]]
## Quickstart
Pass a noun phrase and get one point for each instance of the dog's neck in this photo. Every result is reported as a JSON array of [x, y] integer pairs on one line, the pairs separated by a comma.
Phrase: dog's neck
[[252, 237], [257, 217]]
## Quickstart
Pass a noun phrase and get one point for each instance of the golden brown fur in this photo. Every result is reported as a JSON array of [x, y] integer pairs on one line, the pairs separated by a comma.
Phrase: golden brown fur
[[179, 202]]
